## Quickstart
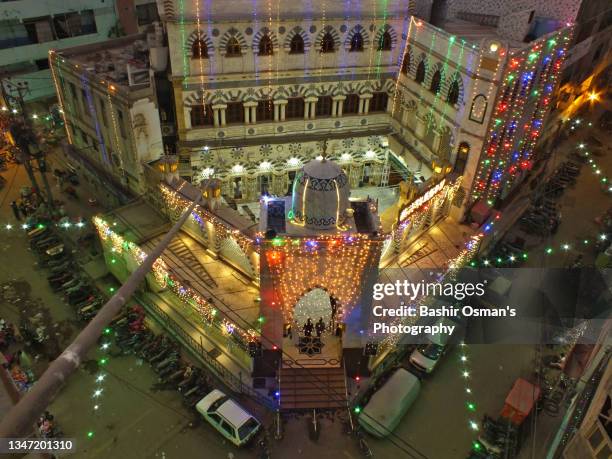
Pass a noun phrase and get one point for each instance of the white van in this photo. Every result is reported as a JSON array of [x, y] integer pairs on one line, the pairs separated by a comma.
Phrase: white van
[[229, 418], [427, 355], [389, 404]]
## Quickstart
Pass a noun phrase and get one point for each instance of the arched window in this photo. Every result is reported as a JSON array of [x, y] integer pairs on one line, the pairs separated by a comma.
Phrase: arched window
[[232, 49], [420, 73], [406, 63], [462, 157], [327, 44], [199, 49], [265, 46], [453, 93], [385, 42], [357, 42], [297, 44], [435, 82]]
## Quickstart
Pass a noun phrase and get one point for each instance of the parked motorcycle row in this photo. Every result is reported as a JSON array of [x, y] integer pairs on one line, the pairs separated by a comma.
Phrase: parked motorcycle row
[[163, 354], [64, 277]]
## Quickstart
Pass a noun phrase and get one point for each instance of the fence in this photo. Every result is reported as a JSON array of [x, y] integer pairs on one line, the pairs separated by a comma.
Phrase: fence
[[197, 349]]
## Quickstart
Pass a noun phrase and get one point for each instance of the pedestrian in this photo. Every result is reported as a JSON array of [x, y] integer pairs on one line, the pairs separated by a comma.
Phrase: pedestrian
[[23, 208], [15, 210], [320, 327], [308, 326]]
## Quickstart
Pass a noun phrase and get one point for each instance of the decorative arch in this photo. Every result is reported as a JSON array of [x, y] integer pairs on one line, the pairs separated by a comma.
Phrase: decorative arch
[[355, 30], [334, 35], [198, 34], [265, 31], [431, 71], [455, 82], [420, 69], [406, 64], [232, 33], [463, 153], [381, 31], [297, 31]]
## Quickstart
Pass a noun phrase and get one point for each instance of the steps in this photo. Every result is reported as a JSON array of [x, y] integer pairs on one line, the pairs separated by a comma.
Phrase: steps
[[308, 388], [180, 250]]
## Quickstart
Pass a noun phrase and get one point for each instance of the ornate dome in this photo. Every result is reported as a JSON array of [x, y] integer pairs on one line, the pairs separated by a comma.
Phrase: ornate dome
[[320, 195]]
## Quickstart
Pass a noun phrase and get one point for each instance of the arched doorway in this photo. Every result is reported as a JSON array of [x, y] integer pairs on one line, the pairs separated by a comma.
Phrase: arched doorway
[[314, 336]]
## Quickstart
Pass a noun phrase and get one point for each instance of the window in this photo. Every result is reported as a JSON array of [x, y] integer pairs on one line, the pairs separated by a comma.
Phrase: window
[[357, 42], [234, 112], [295, 108], [462, 157], [103, 112], [227, 428], [232, 49], [73, 92], [265, 110], [406, 63], [420, 73], [202, 115], [199, 49], [84, 101], [351, 104], [74, 24], [297, 44], [42, 64], [38, 30], [385, 42], [147, 14], [215, 417], [453, 93], [121, 123], [324, 106], [327, 44], [435, 82], [378, 103], [265, 46]]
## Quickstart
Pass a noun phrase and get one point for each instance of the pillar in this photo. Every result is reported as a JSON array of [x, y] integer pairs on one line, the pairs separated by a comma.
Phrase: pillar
[[334, 108], [366, 106], [282, 111], [187, 112], [276, 112], [216, 117], [361, 105], [340, 101], [222, 112], [247, 112], [254, 114]]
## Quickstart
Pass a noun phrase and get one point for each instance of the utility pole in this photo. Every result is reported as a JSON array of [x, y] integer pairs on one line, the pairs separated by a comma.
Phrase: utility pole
[[42, 165]]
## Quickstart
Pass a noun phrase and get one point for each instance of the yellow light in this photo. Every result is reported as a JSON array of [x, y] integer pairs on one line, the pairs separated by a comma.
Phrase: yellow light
[[593, 96]]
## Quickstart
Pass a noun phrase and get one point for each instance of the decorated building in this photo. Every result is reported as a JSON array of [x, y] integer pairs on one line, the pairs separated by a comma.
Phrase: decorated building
[[398, 89], [108, 98]]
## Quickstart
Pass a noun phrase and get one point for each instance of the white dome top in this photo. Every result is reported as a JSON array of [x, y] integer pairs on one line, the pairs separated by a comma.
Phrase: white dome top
[[320, 195]]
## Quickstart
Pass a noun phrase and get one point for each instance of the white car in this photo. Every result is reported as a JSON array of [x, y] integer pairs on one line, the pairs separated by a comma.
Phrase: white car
[[229, 418], [427, 355]]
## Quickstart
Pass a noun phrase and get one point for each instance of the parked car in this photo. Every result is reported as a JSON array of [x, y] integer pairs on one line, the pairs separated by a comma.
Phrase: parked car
[[229, 418], [389, 404], [427, 355]]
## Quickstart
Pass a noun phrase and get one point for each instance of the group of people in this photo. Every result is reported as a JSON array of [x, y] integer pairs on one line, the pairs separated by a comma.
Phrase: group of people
[[17, 362], [309, 327], [26, 205], [46, 426]]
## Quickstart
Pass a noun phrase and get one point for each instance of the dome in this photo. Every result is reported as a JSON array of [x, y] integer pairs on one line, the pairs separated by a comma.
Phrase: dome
[[320, 195]]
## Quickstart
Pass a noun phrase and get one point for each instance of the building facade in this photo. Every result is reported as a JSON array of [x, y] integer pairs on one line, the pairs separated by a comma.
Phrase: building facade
[[29, 28], [107, 95], [258, 89]]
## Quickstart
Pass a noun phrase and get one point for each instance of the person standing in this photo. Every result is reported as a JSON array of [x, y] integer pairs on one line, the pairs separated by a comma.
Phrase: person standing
[[15, 209]]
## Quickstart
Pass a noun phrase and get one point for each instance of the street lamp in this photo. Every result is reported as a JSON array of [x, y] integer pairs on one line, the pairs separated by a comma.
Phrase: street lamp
[[593, 96]]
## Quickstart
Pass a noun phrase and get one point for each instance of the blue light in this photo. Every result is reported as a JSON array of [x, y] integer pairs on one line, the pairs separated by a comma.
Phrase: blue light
[[515, 156], [548, 88]]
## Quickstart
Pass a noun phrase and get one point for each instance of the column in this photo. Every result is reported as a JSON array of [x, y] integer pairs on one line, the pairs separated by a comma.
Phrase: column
[[310, 108], [282, 110], [216, 117], [187, 111], [247, 111], [254, 114], [306, 109], [361, 104], [390, 104], [334, 108], [250, 109], [340, 101], [276, 112], [366, 106], [222, 111]]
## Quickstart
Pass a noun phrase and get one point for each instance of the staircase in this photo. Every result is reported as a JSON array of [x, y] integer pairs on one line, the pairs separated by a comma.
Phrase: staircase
[[308, 388], [180, 250]]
